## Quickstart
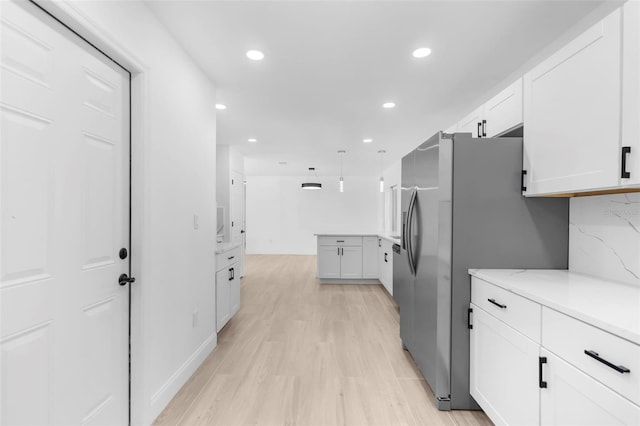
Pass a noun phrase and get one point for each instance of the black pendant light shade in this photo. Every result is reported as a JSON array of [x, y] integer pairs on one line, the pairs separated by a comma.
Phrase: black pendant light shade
[[312, 185]]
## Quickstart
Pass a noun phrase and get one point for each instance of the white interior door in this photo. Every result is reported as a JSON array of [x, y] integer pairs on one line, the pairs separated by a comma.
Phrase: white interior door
[[65, 216]]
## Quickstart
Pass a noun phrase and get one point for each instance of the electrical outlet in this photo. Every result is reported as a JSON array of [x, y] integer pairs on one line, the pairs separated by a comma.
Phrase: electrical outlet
[[194, 319]]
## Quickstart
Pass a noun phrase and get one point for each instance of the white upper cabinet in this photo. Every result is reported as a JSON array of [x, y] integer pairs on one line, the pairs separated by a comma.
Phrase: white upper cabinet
[[631, 91], [572, 139], [504, 111], [501, 113], [472, 123]]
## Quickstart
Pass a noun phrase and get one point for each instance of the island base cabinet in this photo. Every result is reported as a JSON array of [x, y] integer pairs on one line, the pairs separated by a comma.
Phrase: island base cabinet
[[351, 262], [329, 262], [574, 398], [504, 371]]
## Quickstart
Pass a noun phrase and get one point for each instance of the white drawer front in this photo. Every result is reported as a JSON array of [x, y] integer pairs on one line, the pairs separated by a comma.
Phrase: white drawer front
[[225, 259], [340, 241], [518, 312], [569, 338]]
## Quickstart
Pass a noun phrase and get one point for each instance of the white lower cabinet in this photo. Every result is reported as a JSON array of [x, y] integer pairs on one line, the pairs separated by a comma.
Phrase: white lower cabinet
[[227, 287], [504, 371], [351, 263], [370, 246], [385, 264], [328, 262], [575, 398], [576, 374]]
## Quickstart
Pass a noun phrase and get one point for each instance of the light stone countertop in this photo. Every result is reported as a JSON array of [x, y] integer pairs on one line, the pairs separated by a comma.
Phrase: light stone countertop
[[609, 305], [226, 246], [388, 237]]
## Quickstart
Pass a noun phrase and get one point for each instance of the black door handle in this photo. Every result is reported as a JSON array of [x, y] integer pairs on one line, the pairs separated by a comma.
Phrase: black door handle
[[541, 360], [522, 178], [625, 174], [124, 279], [499, 305], [479, 129], [484, 128], [619, 368]]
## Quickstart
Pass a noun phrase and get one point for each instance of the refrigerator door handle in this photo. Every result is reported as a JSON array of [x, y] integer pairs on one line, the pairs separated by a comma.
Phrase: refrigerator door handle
[[412, 206]]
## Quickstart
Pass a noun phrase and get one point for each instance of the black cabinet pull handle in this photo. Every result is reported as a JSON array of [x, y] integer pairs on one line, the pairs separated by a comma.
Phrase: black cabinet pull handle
[[522, 178], [619, 368], [339, 241], [338, 251], [499, 305], [469, 312], [385, 257], [625, 174], [484, 128], [379, 242], [230, 274], [479, 129], [229, 258], [541, 360], [342, 252]]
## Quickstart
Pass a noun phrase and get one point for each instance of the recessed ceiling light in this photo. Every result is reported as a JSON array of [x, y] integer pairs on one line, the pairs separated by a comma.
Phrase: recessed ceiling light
[[388, 105], [255, 55], [367, 140], [421, 52], [221, 106], [252, 140]]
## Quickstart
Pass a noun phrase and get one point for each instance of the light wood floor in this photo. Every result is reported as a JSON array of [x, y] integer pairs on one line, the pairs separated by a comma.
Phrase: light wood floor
[[302, 353]]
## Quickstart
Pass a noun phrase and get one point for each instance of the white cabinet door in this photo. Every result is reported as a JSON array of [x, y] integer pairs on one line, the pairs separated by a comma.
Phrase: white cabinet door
[[503, 111], [504, 371], [222, 298], [381, 275], [386, 265], [574, 398], [472, 123], [370, 257], [572, 114], [234, 289], [351, 262], [329, 261], [631, 91]]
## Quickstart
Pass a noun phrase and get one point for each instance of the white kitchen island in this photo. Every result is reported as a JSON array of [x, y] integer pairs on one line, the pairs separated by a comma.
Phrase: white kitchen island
[[347, 258]]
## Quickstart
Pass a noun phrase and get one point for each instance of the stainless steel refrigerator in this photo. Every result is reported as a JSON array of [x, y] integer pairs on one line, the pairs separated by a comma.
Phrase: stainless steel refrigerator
[[462, 208]]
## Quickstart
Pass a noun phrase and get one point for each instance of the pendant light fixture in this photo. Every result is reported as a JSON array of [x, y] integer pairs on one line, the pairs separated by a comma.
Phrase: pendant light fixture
[[381, 152], [310, 184], [341, 153]]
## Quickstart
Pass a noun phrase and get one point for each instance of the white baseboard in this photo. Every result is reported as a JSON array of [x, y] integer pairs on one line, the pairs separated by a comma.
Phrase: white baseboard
[[170, 388]]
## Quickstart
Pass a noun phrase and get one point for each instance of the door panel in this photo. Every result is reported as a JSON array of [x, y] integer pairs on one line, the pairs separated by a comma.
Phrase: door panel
[[328, 262], [65, 215], [351, 262], [425, 306]]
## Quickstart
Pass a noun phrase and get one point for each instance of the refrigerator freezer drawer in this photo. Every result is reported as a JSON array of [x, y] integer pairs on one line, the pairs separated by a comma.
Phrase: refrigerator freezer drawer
[[520, 313]]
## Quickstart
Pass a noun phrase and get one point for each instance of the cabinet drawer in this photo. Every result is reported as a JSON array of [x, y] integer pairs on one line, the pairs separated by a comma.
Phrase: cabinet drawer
[[340, 241], [520, 313], [569, 338], [223, 260]]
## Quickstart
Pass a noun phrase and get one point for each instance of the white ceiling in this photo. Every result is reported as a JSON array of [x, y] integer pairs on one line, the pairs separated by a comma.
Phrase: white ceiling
[[329, 65]]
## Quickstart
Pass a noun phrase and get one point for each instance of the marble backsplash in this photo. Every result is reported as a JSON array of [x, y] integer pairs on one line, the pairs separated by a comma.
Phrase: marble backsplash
[[604, 236]]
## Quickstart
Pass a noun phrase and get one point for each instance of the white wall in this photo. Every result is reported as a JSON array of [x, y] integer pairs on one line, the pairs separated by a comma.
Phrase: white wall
[[282, 218], [173, 177], [604, 237]]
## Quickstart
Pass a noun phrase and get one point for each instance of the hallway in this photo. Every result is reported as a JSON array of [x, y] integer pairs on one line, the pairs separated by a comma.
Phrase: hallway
[[301, 353]]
